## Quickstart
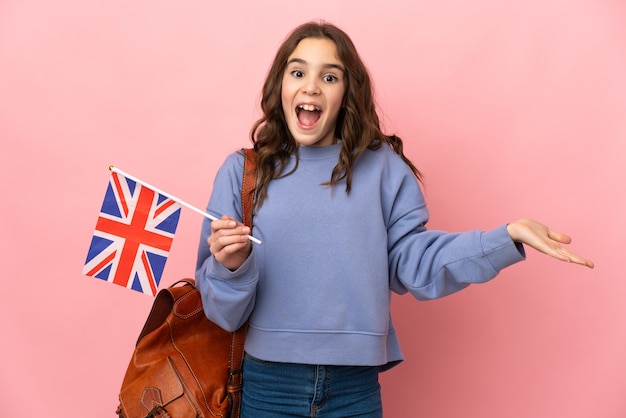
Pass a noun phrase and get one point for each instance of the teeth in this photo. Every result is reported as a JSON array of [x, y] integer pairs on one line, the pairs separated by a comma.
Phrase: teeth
[[309, 108]]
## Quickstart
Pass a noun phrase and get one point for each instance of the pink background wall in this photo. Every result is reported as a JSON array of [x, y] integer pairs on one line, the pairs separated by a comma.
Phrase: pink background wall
[[511, 109]]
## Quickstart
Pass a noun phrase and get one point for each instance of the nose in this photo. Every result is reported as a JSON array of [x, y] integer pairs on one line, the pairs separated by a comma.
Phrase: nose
[[311, 86]]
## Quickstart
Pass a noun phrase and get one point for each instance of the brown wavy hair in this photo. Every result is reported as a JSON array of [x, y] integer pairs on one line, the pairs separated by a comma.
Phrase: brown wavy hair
[[357, 125]]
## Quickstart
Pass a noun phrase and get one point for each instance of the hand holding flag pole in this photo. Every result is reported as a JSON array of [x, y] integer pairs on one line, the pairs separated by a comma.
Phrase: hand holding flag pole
[[175, 199]]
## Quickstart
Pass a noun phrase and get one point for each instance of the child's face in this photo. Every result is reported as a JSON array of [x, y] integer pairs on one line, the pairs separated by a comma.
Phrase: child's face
[[312, 91]]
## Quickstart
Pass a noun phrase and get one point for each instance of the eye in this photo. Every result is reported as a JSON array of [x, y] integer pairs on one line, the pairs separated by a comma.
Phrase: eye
[[297, 73], [329, 78]]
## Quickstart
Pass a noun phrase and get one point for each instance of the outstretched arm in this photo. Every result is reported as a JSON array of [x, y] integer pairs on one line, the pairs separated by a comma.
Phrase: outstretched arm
[[545, 240]]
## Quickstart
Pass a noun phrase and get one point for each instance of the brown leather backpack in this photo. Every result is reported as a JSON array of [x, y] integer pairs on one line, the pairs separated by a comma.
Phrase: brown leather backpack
[[183, 364]]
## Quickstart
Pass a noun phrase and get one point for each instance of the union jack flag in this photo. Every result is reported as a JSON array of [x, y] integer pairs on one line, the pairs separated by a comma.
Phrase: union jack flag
[[133, 236]]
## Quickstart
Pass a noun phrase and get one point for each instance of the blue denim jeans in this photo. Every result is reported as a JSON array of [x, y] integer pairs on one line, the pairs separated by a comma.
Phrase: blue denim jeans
[[279, 390]]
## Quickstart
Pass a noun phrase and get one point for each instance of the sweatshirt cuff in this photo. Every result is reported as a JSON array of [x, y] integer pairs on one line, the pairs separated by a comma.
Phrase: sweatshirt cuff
[[244, 275], [500, 249]]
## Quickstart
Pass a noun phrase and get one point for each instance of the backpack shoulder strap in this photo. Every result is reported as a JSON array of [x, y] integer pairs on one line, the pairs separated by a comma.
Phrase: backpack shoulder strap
[[248, 185]]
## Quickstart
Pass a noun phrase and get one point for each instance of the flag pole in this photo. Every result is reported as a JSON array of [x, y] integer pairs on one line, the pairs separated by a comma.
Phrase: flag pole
[[175, 199]]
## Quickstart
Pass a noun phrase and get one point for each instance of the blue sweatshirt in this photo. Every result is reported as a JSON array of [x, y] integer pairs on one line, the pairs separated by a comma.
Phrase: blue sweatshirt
[[318, 289]]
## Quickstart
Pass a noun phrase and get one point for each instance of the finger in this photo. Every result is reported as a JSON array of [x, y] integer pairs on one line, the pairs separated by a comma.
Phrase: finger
[[559, 237], [224, 223], [581, 260], [566, 255], [229, 235], [221, 246], [232, 244], [556, 252]]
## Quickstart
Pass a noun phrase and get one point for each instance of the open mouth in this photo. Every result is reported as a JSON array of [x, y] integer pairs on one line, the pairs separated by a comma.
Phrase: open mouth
[[308, 115]]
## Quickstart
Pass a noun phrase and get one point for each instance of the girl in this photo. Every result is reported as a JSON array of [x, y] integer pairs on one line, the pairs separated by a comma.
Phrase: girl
[[342, 219]]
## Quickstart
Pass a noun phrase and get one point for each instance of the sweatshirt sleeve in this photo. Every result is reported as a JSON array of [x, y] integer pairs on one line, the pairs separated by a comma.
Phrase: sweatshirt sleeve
[[433, 264], [228, 296]]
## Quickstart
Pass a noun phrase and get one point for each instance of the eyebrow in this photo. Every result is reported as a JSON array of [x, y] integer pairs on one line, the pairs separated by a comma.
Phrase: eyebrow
[[325, 66]]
